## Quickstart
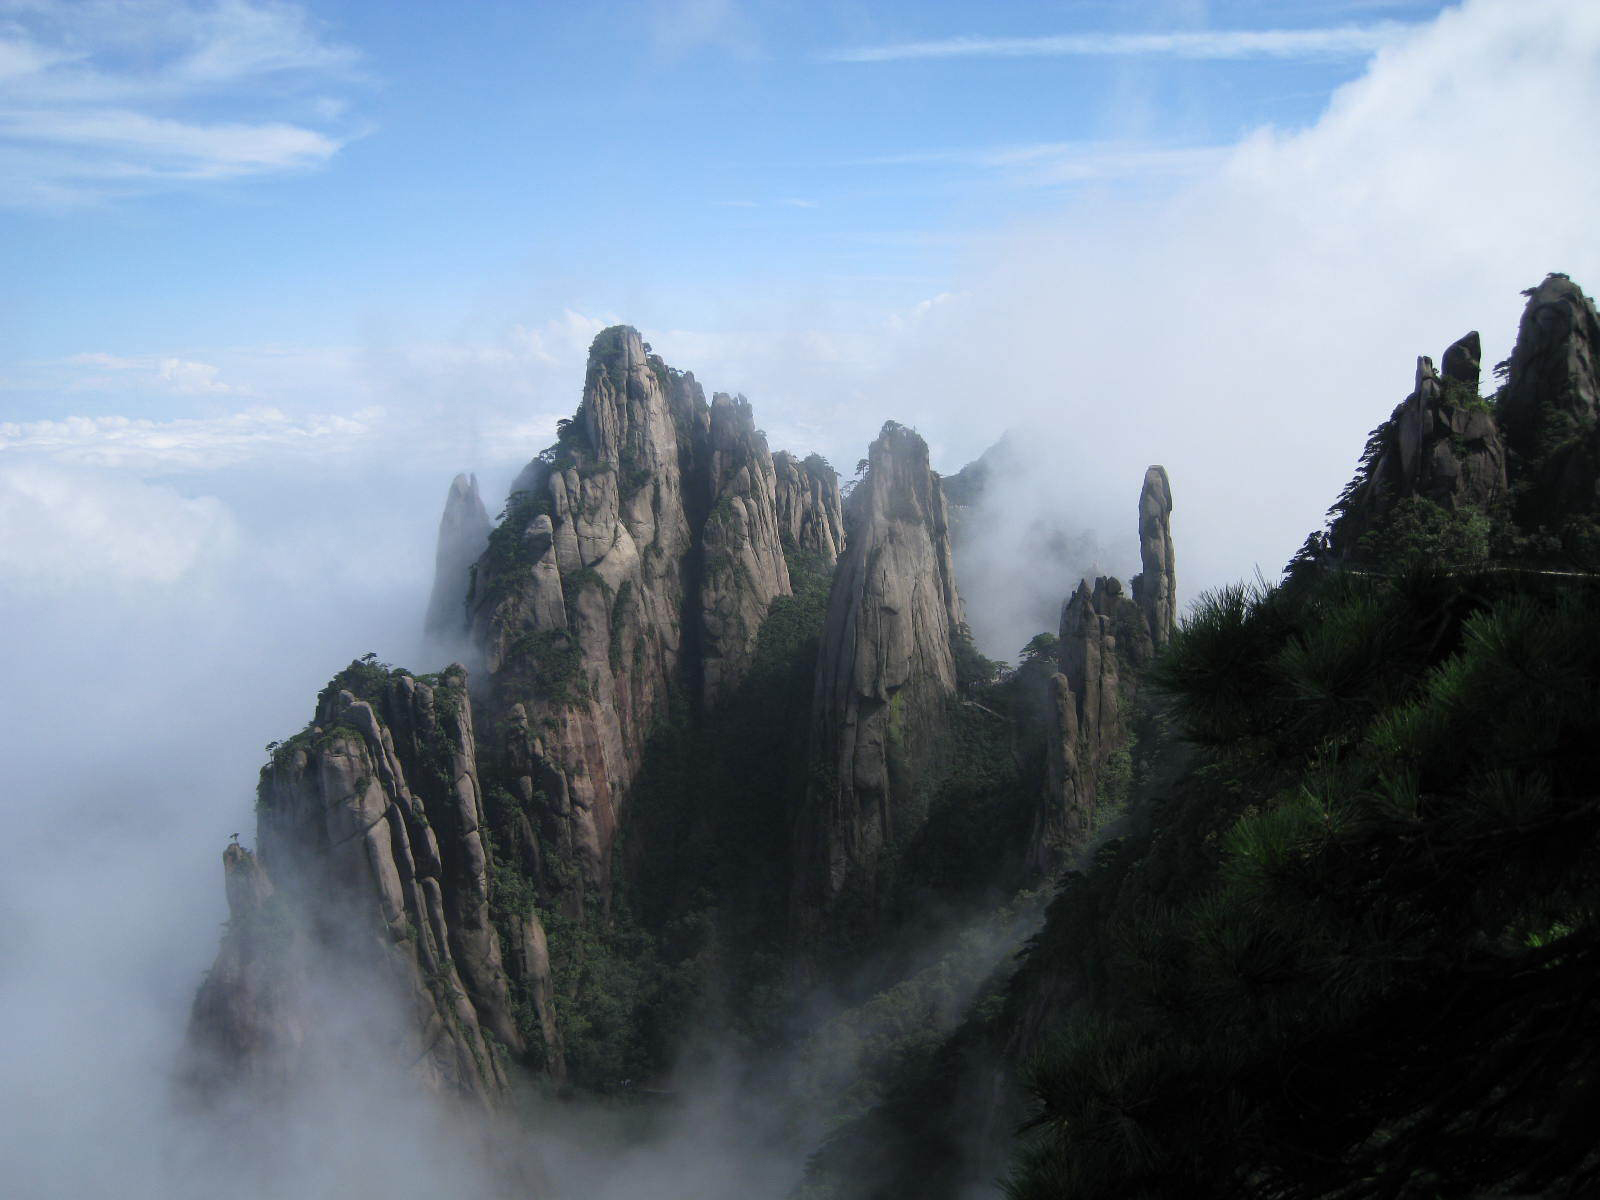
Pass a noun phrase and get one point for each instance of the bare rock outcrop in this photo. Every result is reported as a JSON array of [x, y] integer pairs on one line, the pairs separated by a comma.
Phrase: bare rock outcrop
[[1442, 445], [1155, 588], [247, 1025], [743, 566], [370, 822], [885, 674], [1555, 368], [1550, 408], [1107, 638], [637, 559], [810, 509], [463, 533]]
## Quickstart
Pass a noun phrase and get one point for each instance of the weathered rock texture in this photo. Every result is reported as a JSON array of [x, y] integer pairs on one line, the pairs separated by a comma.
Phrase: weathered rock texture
[[248, 1022], [810, 510], [885, 675], [637, 560], [463, 534], [1155, 587], [1441, 444], [1531, 455], [370, 822], [742, 550], [1106, 640], [1550, 404]]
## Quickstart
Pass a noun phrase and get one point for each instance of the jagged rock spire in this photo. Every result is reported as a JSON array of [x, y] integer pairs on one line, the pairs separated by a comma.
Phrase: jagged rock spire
[[742, 559], [885, 671], [1555, 367], [1155, 588], [810, 509], [463, 533], [1106, 639], [371, 823], [638, 558]]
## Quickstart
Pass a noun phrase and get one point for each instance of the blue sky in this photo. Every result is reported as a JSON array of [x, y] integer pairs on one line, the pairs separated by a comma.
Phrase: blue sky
[[673, 161], [248, 247]]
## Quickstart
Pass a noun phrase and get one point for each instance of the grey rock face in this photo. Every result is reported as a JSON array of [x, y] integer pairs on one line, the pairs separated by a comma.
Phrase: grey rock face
[[1155, 588], [1462, 360], [810, 509], [1553, 369], [1550, 406], [463, 533], [1442, 443], [743, 564], [1106, 641], [639, 555], [885, 673], [371, 824], [247, 1026]]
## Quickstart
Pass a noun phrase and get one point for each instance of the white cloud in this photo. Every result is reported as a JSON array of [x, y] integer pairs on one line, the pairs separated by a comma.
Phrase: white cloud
[[70, 529], [1344, 41], [1250, 328], [679, 27], [104, 98], [190, 443], [1048, 163], [176, 375]]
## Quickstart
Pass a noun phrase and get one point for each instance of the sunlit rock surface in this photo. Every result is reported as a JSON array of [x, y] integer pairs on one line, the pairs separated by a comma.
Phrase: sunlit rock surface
[[370, 825], [810, 511], [885, 673]]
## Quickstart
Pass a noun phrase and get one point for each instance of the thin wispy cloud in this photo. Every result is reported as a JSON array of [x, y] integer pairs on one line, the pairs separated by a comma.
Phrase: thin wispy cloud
[[1343, 41], [105, 99], [784, 202], [1047, 163]]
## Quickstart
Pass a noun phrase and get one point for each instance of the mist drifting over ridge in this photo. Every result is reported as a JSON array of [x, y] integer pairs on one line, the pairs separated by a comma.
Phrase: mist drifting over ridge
[[174, 598]]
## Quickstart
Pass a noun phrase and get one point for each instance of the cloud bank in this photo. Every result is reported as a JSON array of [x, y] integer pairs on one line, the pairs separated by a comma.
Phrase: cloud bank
[[1249, 327]]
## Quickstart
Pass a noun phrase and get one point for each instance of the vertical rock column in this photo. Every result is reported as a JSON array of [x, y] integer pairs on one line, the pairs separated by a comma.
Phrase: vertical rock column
[[742, 554], [810, 510], [885, 673], [1106, 640], [463, 533]]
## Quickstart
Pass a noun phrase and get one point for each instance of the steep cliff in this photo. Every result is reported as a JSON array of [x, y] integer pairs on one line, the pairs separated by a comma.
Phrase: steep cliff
[[463, 534], [1107, 639], [1441, 448], [885, 673], [369, 824], [1327, 957], [636, 561], [247, 1026], [1155, 588], [742, 563], [1549, 409], [810, 510]]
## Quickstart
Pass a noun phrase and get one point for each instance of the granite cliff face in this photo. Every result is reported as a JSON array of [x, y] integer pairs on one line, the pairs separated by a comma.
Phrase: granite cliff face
[[1551, 402], [636, 560], [885, 674], [373, 877], [742, 563], [1155, 587], [463, 534], [1107, 639], [1526, 461], [810, 510], [1441, 444]]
